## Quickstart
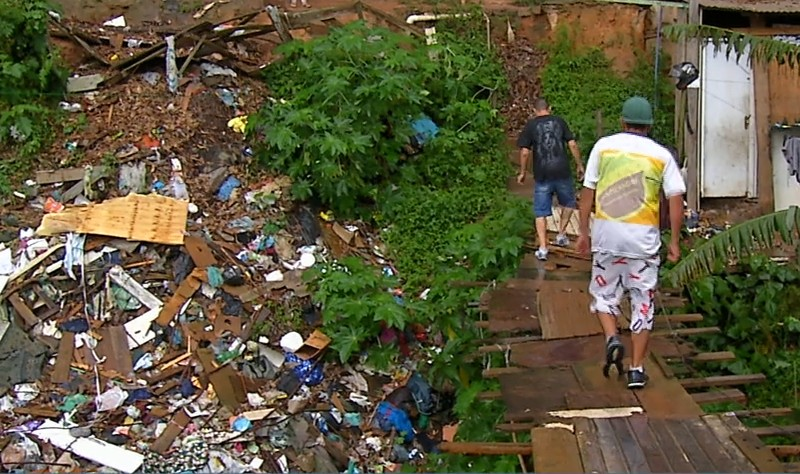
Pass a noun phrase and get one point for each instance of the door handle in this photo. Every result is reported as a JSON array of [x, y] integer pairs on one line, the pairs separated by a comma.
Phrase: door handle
[[747, 121]]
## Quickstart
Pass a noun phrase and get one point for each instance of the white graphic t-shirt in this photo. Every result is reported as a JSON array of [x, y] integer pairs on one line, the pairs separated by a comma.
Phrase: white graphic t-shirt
[[627, 171]]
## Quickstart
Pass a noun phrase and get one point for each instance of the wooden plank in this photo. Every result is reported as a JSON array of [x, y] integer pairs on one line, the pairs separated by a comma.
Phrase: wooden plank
[[680, 318], [670, 447], [499, 449], [491, 395], [709, 443], [720, 396], [555, 450], [59, 176], [496, 371], [785, 450], [525, 403], [114, 347], [66, 349], [652, 451], [22, 310], [512, 309], [713, 356], [786, 430], [579, 399], [763, 412], [588, 445], [392, 20], [752, 447], [564, 310], [723, 380], [790, 467], [630, 447], [612, 453], [666, 398], [723, 434], [695, 454], [682, 332]]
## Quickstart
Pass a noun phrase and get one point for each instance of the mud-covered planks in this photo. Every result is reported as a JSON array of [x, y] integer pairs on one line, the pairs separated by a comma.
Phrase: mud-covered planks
[[512, 310], [564, 310], [530, 395]]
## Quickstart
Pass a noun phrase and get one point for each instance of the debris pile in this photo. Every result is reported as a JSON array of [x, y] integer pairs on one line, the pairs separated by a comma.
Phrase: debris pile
[[523, 64], [153, 315]]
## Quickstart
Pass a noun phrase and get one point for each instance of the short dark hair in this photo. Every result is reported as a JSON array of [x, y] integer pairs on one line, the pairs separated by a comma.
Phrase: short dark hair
[[540, 104], [638, 127]]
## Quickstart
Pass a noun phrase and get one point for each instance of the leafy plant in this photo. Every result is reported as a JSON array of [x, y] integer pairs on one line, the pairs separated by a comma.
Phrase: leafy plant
[[756, 309], [761, 49], [357, 303], [749, 237]]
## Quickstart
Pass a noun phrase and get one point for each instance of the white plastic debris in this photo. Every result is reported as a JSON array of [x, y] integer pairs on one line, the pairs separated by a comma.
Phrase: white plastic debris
[[118, 22], [111, 399], [291, 342]]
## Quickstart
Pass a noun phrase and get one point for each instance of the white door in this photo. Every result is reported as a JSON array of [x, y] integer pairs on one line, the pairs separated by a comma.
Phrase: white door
[[727, 139], [786, 187]]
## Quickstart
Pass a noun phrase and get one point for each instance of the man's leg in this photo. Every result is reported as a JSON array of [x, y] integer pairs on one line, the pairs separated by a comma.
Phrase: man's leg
[[641, 279], [565, 192], [542, 208], [606, 290]]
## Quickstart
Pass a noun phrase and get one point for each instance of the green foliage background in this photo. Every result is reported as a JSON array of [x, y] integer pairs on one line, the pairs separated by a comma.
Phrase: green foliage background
[[31, 80]]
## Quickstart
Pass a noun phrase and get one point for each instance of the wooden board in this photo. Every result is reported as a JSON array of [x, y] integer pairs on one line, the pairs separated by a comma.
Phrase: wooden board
[[634, 456], [136, 217], [723, 434], [665, 397], [609, 445], [564, 310], [677, 459], [588, 445], [751, 446], [555, 450], [529, 395], [579, 400], [644, 436], [512, 310]]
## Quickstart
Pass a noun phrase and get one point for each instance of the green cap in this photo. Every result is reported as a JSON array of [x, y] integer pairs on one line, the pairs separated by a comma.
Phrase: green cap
[[637, 111]]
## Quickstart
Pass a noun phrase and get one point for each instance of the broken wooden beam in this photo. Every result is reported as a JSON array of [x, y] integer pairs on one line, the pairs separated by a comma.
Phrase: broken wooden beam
[[712, 357], [775, 430], [400, 25], [681, 332], [723, 380], [680, 318], [720, 396], [490, 395], [763, 412], [483, 449], [787, 450], [505, 344]]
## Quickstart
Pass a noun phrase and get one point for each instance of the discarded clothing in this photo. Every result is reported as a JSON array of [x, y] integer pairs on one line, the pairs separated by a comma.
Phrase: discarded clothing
[[388, 416], [791, 151], [306, 371], [424, 130]]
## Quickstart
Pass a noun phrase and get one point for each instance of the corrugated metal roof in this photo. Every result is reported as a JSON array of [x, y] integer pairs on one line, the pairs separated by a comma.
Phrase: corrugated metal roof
[[756, 6]]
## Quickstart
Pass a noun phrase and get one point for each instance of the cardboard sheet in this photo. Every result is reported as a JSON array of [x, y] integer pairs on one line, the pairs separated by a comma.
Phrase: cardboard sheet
[[135, 217]]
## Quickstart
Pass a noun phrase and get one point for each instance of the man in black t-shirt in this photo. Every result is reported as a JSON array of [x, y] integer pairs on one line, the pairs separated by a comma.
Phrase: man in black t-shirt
[[547, 136]]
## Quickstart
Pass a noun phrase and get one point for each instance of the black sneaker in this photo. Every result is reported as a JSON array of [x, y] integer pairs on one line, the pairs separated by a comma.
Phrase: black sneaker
[[637, 379], [615, 351]]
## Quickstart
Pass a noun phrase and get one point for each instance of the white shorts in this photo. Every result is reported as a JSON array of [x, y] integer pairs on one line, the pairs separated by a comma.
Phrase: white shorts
[[613, 275]]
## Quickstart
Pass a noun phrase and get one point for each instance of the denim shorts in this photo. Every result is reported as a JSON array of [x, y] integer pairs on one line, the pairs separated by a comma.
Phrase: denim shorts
[[543, 196]]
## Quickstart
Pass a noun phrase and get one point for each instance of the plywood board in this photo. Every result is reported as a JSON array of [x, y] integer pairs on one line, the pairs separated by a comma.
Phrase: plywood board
[[135, 217], [564, 310], [555, 450]]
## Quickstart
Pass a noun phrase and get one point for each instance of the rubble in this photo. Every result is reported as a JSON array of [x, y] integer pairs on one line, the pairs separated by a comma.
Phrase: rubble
[[522, 63], [137, 321]]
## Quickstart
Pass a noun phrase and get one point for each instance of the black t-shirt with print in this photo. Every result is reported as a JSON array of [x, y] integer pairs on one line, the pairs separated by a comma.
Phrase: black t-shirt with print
[[547, 138]]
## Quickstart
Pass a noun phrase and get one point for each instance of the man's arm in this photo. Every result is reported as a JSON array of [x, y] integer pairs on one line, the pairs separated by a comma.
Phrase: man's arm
[[586, 202], [524, 156], [676, 217], [576, 154]]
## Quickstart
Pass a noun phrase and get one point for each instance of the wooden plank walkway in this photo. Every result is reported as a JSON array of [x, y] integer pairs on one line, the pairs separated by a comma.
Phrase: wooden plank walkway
[[581, 421]]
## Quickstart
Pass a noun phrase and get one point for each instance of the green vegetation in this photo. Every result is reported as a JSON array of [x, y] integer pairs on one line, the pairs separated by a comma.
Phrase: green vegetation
[[580, 82], [30, 80]]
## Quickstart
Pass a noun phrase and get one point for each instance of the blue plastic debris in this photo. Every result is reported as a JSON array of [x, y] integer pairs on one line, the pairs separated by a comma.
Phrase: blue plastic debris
[[305, 370], [424, 130], [227, 188], [187, 388], [76, 326], [215, 278], [388, 416], [241, 424]]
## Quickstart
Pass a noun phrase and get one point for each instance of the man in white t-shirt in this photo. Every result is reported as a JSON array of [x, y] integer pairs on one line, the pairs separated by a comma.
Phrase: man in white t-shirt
[[625, 174]]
